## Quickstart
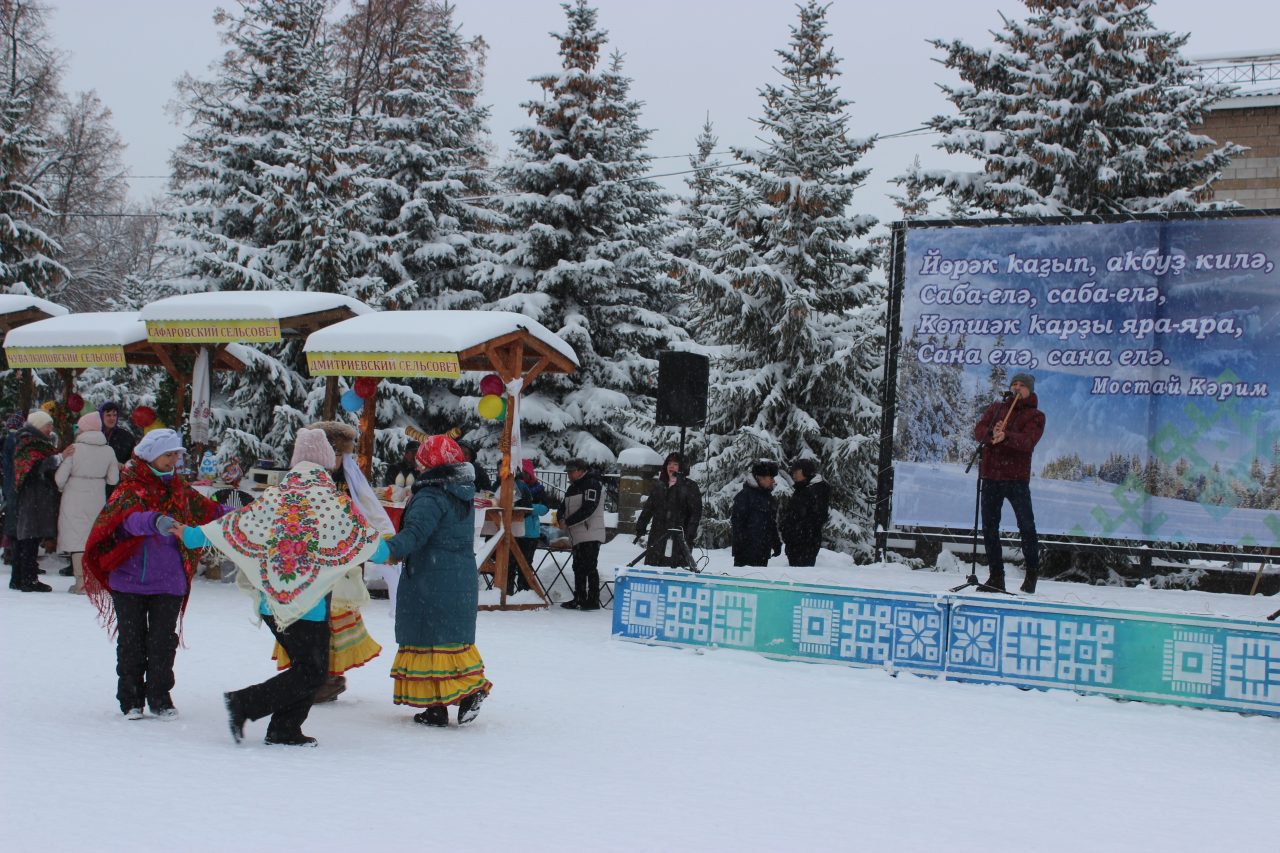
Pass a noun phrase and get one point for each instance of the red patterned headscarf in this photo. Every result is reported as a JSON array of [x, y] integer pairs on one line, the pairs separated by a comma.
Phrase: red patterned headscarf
[[439, 450]]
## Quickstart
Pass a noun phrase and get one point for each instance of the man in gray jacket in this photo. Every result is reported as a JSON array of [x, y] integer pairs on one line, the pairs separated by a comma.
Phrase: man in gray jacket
[[582, 519]]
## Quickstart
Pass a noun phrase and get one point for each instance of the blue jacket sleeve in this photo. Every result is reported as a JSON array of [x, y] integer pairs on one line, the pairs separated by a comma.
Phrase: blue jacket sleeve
[[421, 518]]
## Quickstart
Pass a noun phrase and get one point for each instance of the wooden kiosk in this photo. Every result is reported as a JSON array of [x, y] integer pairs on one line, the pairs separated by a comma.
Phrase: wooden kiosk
[[443, 344], [182, 325], [17, 311]]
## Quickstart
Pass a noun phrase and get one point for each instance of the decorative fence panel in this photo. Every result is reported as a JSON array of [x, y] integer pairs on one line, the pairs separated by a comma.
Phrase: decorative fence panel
[[1152, 657]]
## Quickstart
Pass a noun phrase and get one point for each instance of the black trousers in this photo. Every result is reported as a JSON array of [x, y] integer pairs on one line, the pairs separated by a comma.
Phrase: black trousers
[[25, 565], [515, 580], [1018, 494], [145, 647], [802, 554], [287, 696], [586, 575]]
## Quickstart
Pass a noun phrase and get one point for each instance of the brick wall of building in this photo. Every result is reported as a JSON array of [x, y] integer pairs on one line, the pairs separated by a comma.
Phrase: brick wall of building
[[1253, 179]]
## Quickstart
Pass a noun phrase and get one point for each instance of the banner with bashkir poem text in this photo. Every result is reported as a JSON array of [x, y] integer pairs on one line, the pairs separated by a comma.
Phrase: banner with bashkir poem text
[[1155, 348]]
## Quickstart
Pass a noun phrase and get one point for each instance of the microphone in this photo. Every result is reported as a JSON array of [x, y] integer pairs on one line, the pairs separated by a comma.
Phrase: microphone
[[1007, 395]]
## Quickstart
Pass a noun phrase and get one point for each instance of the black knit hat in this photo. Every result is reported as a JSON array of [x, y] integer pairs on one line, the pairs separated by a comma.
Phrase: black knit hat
[[807, 465], [576, 464], [764, 468]]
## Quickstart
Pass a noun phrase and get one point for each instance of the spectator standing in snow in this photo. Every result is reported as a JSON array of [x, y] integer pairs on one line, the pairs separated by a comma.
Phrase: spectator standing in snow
[[438, 664], [582, 519], [528, 534], [1009, 431], [484, 483], [801, 522], [674, 503], [136, 574], [12, 425], [754, 522], [84, 480], [35, 459], [293, 545], [118, 434]]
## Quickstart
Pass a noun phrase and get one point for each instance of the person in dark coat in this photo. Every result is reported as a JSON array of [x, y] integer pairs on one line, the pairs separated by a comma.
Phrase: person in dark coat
[[674, 503], [1009, 430], [484, 483], [119, 436], [582, 519], [755, 518], [403, 472], [10, 443], [35, 460], [801, 522]]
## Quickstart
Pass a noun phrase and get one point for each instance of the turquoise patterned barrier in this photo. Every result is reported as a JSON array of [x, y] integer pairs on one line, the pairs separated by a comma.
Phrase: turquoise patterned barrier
[[1153, 657]]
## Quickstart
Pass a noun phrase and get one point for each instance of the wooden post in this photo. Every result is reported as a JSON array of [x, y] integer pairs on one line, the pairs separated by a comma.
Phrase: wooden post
[[330, 407], [364, 449], [26, 391]]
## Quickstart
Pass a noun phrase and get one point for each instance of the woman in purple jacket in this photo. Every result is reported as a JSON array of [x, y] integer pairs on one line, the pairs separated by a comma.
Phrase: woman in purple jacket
[[137, 573]]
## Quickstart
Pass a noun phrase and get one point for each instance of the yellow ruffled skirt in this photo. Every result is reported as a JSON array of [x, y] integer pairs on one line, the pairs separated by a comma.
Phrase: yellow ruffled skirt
[[350, 645], [430, 676]]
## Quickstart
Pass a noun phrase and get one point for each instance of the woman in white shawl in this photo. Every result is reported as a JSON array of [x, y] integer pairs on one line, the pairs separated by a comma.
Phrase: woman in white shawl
[[293, 545]]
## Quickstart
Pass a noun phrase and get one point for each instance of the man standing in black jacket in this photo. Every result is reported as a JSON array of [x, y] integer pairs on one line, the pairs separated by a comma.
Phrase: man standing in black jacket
[[755, 518], [805, 515], [674, 503], [582, 517]]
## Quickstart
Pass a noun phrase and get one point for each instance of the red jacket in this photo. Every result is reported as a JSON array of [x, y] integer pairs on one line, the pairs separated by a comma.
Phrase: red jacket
[[1011, 458]]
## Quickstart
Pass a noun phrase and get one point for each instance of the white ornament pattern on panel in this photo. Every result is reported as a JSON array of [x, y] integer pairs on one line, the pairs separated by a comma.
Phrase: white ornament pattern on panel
[[643, 605], [688, 613], [1253, 669], [1086, 652], [866, 632], [815, 626], [733, 618], [918, 635], [973, 640], [1027, 646], [1192, 662]]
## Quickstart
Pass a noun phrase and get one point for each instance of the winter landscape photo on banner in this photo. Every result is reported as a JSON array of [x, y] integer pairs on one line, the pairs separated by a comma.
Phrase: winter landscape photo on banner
[[1154, 344]]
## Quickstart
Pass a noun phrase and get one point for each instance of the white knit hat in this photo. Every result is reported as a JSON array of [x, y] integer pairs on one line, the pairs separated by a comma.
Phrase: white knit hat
[[312, 445], [39, 419], [157, 443]]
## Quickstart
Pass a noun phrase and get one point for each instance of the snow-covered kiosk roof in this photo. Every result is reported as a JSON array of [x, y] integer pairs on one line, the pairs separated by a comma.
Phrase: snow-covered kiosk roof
[[437, 343], [245, 315], [95, 339], [16, 310]]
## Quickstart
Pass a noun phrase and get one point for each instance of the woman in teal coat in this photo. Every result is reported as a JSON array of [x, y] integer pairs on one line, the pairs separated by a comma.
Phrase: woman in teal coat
[[437, 664]]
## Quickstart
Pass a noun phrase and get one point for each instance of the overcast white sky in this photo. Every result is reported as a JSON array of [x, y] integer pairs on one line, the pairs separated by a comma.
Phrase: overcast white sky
[[688, 58]]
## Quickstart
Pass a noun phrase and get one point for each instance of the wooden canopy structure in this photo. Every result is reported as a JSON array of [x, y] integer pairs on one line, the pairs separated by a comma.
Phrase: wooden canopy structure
[[177, 327], [443, 344], [16, 311], [70, 343]]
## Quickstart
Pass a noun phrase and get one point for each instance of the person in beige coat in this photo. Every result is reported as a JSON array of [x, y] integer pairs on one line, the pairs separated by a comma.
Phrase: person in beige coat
[[83, 479]]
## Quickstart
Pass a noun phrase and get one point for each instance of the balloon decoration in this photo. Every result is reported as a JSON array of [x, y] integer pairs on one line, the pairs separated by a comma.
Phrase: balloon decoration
[[351, 401], [143, 417], [492, 384], [156, 424], [366, 386], [75, 403], [491, 406], [502, 415]]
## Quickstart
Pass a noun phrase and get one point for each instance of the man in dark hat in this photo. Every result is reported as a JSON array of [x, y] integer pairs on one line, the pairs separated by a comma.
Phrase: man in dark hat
[[804, 516], [582, 518], [755, 517], [1009, 430], [674, 503], [119, 436]]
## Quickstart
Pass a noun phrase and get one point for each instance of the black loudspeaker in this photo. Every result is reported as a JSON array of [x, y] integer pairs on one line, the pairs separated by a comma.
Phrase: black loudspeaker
[[682, 389]]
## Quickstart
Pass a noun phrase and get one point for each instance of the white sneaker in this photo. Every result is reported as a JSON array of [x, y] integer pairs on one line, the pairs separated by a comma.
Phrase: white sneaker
[[133, 714], [166, 713]]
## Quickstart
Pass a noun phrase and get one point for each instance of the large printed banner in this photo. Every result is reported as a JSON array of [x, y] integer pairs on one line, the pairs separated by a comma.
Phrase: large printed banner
[[1201, 661], [1154, 345]]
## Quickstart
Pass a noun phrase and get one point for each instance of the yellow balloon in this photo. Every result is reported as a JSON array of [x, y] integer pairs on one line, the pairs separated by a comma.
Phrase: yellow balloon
[[490, 406], [156, 424]]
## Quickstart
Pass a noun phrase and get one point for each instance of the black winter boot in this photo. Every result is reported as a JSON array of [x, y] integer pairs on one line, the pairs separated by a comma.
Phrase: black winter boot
[[1029, 582], [592, 600], [437, 716], [994, 582], [579, 591]]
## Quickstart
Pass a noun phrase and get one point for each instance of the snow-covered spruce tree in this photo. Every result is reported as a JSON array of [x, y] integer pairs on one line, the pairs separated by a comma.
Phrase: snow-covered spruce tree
[[425, 146], [584, 256], [27, 252], [789, 302], [1083, 108], [265, 202]]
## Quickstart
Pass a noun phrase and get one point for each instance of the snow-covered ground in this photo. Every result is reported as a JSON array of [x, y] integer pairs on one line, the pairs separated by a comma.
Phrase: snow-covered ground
[[589, 743]]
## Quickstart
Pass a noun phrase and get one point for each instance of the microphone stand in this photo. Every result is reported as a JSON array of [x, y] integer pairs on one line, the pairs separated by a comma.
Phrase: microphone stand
[[972, 579]]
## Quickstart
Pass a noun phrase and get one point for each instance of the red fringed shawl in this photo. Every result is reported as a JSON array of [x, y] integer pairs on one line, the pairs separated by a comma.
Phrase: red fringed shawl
[[140, 490], [31, 447]]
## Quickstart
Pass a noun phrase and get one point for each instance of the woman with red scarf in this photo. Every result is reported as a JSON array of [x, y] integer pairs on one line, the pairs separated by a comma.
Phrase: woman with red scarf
[[137, 574], [35, 459]]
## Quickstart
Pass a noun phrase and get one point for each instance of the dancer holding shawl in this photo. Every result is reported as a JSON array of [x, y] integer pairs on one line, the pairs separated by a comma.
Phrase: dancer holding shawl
[[136, 574], [437, 664], [292, 545], [350, 645]]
